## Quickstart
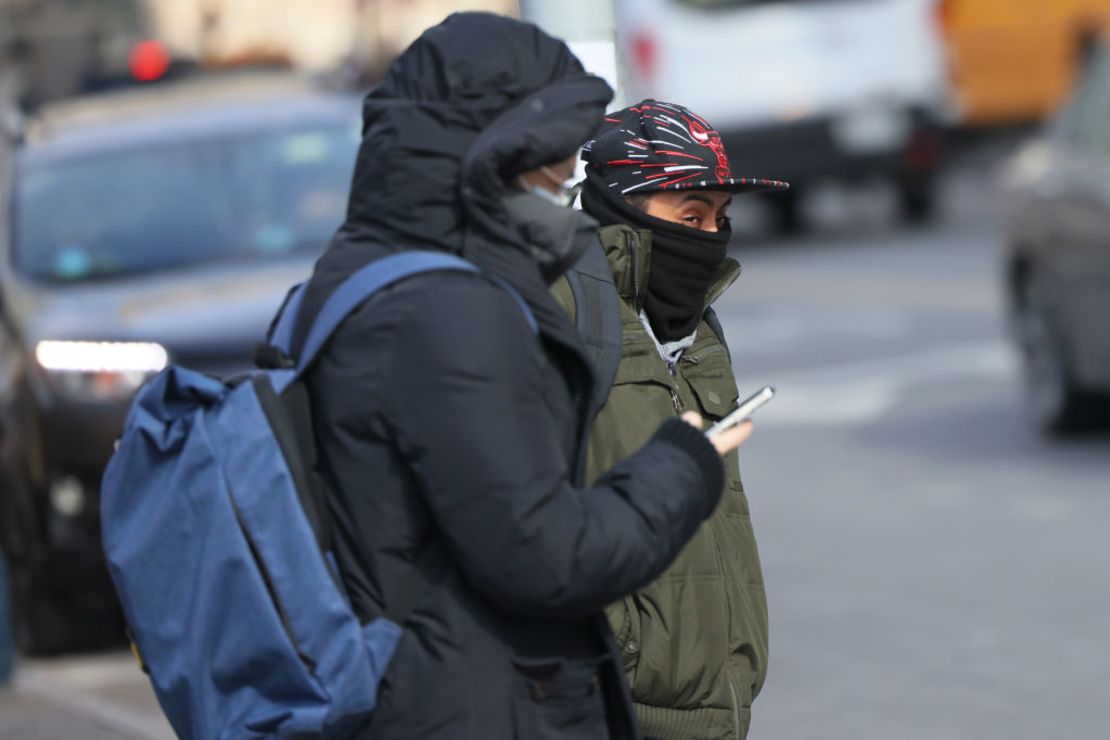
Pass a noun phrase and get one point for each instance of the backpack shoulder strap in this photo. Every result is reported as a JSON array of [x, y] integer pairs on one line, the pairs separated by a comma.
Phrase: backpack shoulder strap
[[357, 288], [715, 324], [350, 294], [361, 285], [597, 318]]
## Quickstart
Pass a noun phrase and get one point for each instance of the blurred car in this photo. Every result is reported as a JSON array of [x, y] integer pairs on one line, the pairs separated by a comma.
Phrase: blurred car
[[1056, 214], [7, 657], [139, 228], [801, 90]]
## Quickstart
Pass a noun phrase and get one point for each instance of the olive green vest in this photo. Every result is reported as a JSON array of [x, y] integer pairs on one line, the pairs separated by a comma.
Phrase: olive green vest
[[694, 642]]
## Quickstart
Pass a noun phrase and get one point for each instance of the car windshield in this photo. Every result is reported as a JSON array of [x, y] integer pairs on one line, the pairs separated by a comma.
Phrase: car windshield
[[247, 197]]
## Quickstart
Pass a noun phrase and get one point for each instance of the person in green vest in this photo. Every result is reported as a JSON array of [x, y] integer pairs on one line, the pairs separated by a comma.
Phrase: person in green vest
[[694, 642]]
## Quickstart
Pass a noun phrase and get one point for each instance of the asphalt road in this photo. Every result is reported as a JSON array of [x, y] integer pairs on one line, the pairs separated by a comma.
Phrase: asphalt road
[[935, 569]]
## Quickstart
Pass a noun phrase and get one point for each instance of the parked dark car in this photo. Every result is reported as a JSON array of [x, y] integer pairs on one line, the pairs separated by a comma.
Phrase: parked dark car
[[139, 228], [1056, 199]]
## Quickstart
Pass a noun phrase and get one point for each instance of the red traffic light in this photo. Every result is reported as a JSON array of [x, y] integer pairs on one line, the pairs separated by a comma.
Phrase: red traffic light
[[149, 61]]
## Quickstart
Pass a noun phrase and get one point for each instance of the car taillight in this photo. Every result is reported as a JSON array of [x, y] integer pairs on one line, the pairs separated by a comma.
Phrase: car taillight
[[922, 150], [645, 55], [149, 61], [945, 15]]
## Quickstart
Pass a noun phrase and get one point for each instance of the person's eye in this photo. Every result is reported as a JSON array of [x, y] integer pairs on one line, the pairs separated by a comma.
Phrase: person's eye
[[724, 222], [692, 219]]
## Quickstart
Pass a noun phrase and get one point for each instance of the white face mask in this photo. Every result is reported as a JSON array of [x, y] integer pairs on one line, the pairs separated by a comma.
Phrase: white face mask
[[562, 198]]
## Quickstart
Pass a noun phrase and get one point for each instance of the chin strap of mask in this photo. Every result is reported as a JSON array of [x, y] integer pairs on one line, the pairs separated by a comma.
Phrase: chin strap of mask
[[562, 196]]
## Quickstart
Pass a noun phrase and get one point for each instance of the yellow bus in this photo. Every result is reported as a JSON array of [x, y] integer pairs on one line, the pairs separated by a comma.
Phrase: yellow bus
[[1014, 61]]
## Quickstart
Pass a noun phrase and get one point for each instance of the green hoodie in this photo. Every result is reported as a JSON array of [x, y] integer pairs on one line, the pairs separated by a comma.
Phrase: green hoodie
[[694, 642]]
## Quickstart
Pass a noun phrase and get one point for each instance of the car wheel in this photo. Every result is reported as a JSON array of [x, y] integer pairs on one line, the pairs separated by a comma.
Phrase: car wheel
[[37, 622], [50, 621], [917, 198], [1057, 404], [786, 211]]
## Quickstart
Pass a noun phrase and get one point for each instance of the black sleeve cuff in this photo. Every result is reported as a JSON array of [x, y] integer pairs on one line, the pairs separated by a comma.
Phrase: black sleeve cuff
[[694, 443]]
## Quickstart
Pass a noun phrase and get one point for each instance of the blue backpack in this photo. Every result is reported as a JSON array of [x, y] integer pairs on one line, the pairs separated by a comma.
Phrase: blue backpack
[[214, 544]]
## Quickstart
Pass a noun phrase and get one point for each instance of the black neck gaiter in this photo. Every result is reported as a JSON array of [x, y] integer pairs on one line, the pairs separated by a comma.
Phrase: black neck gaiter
[[684, 261]]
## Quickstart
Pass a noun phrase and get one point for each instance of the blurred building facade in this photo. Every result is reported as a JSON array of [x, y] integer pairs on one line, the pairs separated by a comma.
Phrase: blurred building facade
[[310, 34], [48, 47], [55, 48]]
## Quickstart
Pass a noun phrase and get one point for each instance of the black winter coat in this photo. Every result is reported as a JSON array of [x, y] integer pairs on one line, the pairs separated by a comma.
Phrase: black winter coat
[[451, 436]]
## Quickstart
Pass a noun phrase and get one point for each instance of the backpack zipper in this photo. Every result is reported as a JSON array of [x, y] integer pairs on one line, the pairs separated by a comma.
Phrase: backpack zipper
[[267, 580]]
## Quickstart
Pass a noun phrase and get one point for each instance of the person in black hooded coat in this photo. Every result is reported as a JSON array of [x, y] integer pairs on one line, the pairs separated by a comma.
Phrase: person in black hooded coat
[[450, 435]]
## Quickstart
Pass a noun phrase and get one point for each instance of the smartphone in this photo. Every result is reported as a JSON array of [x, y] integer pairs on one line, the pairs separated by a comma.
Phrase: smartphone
[[746, 408]]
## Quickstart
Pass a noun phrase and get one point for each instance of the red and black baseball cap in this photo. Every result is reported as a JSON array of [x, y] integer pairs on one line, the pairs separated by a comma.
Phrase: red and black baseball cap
[[662, 146]]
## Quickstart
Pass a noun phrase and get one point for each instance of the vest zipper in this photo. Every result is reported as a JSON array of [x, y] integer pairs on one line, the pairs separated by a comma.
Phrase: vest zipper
[[634, 247], [676, 401], [700, 355], [728, 628], [735, 706]]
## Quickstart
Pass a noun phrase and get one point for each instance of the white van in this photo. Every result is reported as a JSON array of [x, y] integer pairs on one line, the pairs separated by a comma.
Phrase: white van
[[801, 90]]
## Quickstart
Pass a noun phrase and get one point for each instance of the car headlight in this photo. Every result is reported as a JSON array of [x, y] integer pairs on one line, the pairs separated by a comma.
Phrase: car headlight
[[100, 371]]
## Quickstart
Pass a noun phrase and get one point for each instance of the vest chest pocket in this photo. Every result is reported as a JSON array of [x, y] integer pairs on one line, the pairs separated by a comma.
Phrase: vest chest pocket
[[642, 365], [716, 394], [645, 379]]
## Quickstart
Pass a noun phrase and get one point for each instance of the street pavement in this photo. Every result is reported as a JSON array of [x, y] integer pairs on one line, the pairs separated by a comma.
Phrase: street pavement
[[88, 697], [936, 570]]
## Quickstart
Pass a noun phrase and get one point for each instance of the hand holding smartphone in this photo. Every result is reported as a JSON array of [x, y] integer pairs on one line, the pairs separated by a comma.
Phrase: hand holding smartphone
[[746, 408]]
